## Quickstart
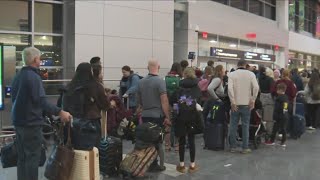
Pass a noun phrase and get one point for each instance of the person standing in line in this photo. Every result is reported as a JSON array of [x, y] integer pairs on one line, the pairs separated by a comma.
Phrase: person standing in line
[[312, 92], [184, 64], [243, 90], [28, 103], [210, 63], [131, 85], [153, 100], [95, 61], [280, 115]]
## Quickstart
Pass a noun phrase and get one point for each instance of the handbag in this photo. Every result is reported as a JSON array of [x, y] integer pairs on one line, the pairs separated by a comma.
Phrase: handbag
[[9, 155], [84, 134], [60, 162]]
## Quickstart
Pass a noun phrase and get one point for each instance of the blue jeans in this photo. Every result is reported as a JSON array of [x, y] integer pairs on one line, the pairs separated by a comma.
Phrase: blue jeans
[[28, 141], [243, 113]]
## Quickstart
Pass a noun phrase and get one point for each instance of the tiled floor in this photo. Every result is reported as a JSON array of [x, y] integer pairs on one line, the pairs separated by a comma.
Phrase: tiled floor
[[299, 161]]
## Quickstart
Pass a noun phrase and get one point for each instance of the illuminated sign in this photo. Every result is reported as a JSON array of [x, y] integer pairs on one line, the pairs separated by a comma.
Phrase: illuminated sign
[[228, 53], [258, 56], [1, 77]]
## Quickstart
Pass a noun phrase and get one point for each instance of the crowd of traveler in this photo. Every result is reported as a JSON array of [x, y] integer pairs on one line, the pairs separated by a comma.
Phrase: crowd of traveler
[[162, 101]]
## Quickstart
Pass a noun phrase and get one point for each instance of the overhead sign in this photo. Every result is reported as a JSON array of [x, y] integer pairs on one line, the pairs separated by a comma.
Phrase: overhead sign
[[227, 53], [258, 56], [1, 77]]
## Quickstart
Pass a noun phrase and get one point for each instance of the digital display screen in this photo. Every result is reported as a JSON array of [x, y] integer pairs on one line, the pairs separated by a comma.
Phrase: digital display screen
[[1, 77]]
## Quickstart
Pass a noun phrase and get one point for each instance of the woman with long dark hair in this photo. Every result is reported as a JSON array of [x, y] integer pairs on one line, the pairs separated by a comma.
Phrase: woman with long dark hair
[[85, 98], [312, 92]]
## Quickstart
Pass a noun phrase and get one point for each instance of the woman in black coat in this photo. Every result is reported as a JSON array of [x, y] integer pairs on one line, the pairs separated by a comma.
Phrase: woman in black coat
[[189, 95]]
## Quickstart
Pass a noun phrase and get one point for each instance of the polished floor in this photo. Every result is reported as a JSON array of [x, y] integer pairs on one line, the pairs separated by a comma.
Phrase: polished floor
[[300, 160]]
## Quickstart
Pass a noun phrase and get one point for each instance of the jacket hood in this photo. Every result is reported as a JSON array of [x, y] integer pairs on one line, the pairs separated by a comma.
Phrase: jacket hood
[[189, 83]]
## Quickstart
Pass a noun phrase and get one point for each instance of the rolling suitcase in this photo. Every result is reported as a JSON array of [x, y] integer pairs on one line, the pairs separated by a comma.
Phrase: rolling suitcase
[[215, 128], [110, 152], [215, 136], [136, 163], [85, 165]]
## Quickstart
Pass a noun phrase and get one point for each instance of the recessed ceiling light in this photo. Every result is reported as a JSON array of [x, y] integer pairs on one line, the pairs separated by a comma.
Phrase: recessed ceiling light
[[213, 41], [44, 37], [233, 45]]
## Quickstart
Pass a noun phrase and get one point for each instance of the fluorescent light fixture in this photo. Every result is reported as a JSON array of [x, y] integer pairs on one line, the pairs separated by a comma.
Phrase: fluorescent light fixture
[[213, 41], [44, 37], [233, 45]]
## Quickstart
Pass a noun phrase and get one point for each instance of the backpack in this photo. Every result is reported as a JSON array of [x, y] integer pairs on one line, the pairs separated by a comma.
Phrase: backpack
[[172, 85], [203, 85], [315, 95], [217, 113], [73, 101]]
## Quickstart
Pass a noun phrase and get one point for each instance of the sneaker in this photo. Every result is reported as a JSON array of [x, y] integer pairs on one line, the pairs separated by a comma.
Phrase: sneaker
[[181, 169], [269, 143], [283, 145], [193, 169], [157, 168], [246, 151], [233, 150], [311, 128]]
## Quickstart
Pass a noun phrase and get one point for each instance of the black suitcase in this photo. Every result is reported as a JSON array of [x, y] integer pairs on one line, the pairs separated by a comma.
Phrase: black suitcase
[[214, 136], [110, 155], [110, 152]]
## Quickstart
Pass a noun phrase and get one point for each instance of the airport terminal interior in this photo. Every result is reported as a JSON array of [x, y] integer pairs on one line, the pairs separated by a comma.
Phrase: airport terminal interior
[[141, 54]]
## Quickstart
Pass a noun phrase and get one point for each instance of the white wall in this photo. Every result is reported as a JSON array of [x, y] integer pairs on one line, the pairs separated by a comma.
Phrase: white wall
[[303, 43], [124, 33], [224, 20]]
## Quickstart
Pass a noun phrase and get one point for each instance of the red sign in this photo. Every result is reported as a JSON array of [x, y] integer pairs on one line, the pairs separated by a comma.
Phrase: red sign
[[276, 47], [251, 35], [204, 35]]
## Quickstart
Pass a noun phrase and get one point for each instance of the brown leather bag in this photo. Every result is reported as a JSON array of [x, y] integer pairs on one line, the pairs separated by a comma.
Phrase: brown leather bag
[[60, 162]]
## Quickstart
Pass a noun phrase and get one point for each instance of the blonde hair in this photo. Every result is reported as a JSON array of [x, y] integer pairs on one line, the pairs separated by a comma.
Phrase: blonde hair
[[189, 73], [218, 70], [286, 74], [269, 73]]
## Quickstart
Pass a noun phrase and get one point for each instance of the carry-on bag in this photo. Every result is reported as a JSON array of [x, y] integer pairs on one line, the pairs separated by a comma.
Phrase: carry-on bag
[[110, 152], [214, 136], [85, 165], [60, 162], [136, 163]]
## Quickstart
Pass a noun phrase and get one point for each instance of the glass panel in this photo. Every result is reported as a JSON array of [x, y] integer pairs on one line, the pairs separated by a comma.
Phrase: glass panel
[[273, 2], [19, 42], [48, 18], [256, 7], [15, 15], [228, 43], [270, 12], [205, 44], [222, 1], [51, 62], [50, 47], [247, 46], [240, 4], [292, 12]]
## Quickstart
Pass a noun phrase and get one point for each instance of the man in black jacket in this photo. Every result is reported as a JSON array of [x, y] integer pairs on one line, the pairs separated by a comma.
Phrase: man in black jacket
[[28, 102]]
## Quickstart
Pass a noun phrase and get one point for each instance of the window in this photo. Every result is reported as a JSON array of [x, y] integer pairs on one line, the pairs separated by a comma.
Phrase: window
[[247, 46], [15, 15], [302, 16], [48, 18], [256, 7], [226, 2], [240, 4], [228, 43], [270, 12]]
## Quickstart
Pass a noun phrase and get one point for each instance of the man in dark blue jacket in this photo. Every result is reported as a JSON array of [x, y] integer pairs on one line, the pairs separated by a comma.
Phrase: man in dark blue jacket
[[28, 103]]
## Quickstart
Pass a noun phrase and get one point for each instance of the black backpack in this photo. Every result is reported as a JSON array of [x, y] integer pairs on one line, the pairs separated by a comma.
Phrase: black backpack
[[73, 101]]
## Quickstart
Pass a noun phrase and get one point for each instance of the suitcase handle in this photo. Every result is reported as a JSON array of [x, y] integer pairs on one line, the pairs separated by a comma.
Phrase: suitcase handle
[[104, 118]]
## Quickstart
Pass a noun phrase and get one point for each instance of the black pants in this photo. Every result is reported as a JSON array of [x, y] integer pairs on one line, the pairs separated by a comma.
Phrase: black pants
[[280, 127], [313, 115], [28, 141], [192, 147]]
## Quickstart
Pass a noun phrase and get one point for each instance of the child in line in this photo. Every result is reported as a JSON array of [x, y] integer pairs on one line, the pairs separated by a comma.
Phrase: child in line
[[280, 115]]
